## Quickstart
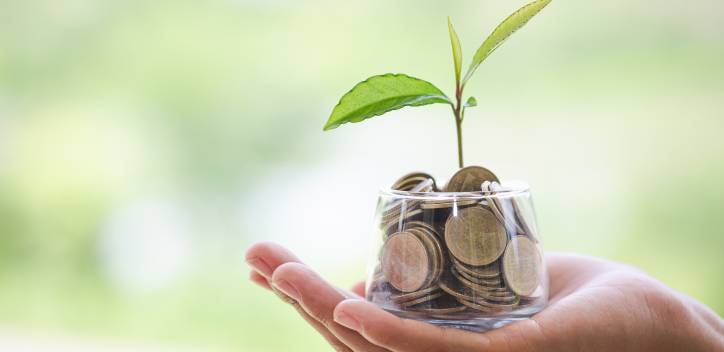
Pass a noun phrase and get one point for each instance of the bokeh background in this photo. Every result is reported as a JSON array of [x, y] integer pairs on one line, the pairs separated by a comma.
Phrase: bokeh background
[[145, 144]]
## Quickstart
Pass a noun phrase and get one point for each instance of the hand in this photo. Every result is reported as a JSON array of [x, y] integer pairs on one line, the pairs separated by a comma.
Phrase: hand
[[594, 305]]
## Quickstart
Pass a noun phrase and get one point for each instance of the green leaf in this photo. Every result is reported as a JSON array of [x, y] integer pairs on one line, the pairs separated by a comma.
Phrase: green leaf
[[471, 102], [457, 51], [511, 25], [380, 94]]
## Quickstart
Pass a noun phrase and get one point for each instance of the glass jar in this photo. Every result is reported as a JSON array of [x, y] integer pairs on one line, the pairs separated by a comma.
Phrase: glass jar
[[466, 260]]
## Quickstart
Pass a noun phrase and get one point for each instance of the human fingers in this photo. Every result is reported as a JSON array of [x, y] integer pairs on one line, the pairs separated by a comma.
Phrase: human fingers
[[258, 279], [318, 298], [403, 335], [264, 257], [332, 340], [389, 331], [264, 283]]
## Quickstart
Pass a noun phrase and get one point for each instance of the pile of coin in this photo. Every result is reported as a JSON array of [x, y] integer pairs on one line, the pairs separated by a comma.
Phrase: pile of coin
[[466, 252], [401, 209]]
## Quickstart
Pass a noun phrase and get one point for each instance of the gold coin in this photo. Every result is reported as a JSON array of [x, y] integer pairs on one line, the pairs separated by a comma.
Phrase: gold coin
[[422, 186], [489, 271], [508, 226], [405, 208], [521, 266], [497, 290], [494, 207], [474, 236], [478, 307], [484, 291], [476, 280], [391, 226], [434, 256], [404, 297], [396, 221], [380, 290], [435, 247], [486, 191], [398, 205], [409, 184], [440, 306], [427, 226], [426, 206], [387, 215], [485, 301], [504, 210], [469, 179], [391, 209], [440, 311], [417, 184], [523, 222], [407, 213], [419, 300], [484, 287], [376, 283], [416, 175], [499, 293], [405, 262], [494, 309], [449, 204], [425, 185], [456, 288]]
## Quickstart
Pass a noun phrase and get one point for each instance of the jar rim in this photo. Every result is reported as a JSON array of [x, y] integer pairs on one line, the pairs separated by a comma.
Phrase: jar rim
[[511, 187]]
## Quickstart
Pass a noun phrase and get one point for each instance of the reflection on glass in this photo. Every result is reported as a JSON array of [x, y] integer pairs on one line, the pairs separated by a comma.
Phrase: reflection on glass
[[471, 260]]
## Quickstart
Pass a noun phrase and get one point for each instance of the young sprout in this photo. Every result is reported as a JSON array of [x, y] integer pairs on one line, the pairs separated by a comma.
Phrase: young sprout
[[381, 94]]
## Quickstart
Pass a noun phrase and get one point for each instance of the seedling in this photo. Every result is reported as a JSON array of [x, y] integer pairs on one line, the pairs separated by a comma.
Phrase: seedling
[[381, 94]]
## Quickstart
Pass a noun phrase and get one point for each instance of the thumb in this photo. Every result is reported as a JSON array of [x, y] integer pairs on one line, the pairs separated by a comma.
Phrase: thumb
[[403, 335], [397, 334]]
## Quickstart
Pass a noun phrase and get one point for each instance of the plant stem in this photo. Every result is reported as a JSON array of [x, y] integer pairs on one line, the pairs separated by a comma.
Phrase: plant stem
[[458, 123]]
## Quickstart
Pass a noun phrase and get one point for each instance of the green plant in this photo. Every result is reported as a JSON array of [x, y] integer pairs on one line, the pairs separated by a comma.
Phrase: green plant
[[381, 94]]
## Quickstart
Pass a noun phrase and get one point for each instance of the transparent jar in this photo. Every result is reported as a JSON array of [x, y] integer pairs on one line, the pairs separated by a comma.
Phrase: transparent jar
[[466, 260]]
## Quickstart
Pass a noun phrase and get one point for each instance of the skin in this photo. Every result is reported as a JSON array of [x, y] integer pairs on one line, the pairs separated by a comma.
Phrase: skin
[[594, 305]]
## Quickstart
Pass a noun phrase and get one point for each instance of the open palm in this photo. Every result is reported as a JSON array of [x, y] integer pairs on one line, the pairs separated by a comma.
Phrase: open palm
[[594, 305]]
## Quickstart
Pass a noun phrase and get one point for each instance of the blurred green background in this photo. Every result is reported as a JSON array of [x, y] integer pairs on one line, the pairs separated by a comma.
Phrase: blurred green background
[[145, 144]]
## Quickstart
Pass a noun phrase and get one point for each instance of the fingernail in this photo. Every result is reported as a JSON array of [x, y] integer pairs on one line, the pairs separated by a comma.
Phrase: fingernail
[[260, 266], [348, 322], [287, 288]]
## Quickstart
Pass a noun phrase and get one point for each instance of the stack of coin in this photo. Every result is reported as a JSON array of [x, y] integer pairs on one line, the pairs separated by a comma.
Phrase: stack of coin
[[403, 209], [469, 179], [409, 181], [507, 211], [471, 251], [413, 262], [447, 203]]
